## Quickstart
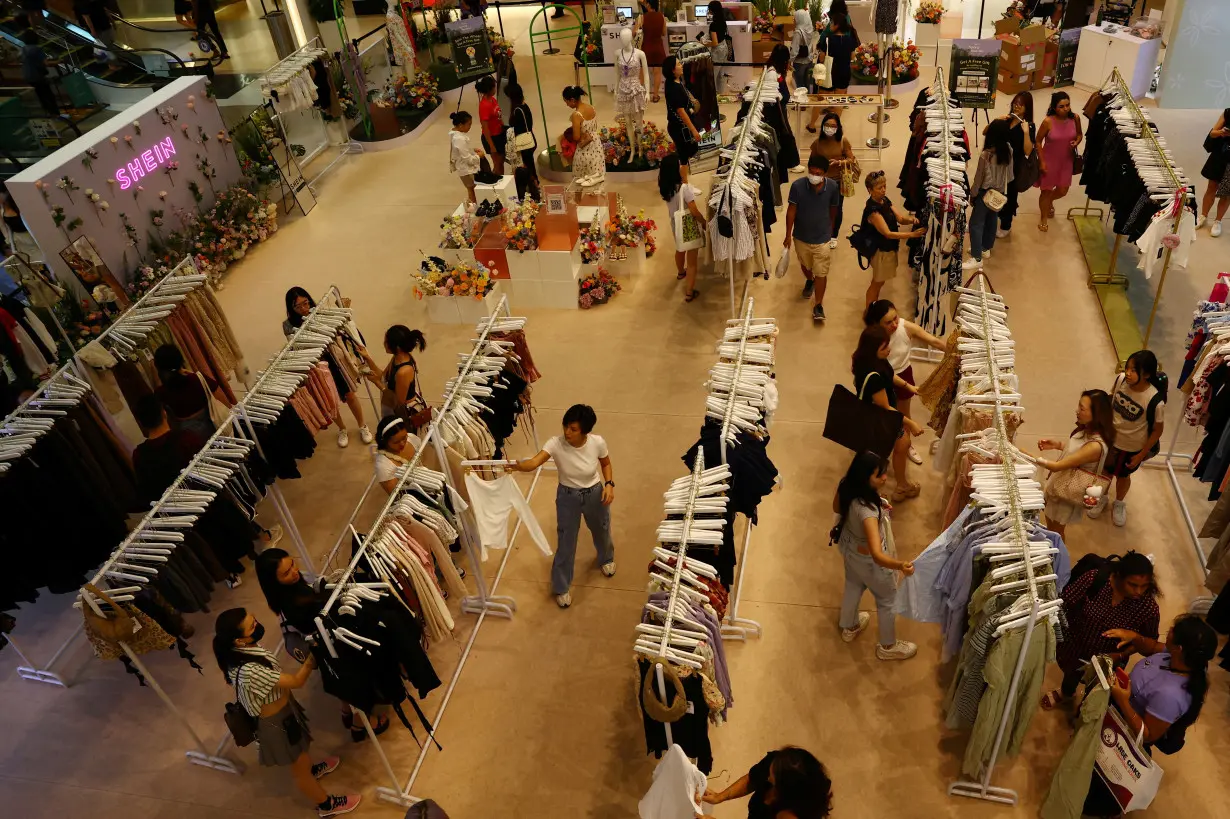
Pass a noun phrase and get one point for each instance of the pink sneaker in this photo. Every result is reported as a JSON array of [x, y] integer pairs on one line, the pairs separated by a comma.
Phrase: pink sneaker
[[337, 805]]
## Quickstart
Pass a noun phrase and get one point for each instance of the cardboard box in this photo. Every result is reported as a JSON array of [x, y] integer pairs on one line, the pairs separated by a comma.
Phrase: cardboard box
[[1010, 30], [1020, 59], [1045, 78], [1011, 83]]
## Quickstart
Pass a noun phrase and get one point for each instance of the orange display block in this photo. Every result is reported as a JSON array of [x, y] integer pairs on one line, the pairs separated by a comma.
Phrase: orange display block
[[558, 232], [490, 250]]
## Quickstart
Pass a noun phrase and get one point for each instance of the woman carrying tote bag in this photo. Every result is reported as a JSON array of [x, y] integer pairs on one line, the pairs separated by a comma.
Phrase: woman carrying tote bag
[[1072, 474]]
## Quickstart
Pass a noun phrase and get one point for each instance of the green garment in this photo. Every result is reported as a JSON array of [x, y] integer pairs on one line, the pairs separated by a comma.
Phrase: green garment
[[1001, 661], [1070, 785]]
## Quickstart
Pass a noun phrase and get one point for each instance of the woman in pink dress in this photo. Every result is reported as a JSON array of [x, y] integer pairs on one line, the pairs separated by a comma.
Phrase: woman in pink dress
[[1058, 138]]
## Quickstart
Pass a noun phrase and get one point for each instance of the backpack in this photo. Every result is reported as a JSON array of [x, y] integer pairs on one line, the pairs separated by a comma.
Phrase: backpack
[[1086, 564], [1160, 383], [865, 241]]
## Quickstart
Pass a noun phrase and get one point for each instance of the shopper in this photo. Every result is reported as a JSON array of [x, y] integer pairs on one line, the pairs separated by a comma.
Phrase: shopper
[[400, 394], [1094, 434], [521, 118], [205, 15], [874, 383], [183, 14], [298, 605], [802, 56], [994, 174], [586, 489], [34, 62], [589, 161], [492, 120], [395, 448], [1165, 695], [865, 537], [1022, 136], [652, 25], [880, 215], [299, 304], [1139, 412], [809, 228], [264, 691], [463, 158], [902, 335], [1115, 593], [185, 393], [679, 195], [679, 109], [839, 41], [1058, 139], [788, 783], [1217, 170], [833, 146], [779, 61], [94, 16], [721, 45]]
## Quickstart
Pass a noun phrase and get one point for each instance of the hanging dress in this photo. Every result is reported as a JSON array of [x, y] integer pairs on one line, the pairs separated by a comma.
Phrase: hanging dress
[[886, 16], [630, 92], [589, 163]]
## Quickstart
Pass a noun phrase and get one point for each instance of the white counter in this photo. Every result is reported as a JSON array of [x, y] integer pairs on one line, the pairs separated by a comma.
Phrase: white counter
[[1101, 52]]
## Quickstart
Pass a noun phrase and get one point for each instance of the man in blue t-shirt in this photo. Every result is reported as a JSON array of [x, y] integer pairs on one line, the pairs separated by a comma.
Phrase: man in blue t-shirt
[[809, 228]]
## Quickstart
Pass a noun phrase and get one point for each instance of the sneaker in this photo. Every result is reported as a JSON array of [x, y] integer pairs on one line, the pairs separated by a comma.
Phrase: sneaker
[[1001, 233], [935, 446], [275, 535], [848, 634], [608, 569], [234, 581], [343, 439], [915, 457], [1215, 231], [972, 265], [817, 313], [365, 434], [1200, 220], [326, 766], [1118, 513], [901, 650], [986, 254], [832, 244], [809, 287], [1096, 511], [564, 600], [337, 805]]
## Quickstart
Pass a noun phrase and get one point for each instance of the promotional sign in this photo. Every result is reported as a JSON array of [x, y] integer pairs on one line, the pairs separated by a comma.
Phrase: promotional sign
[[471, 51], [972, 73], [1069, 41]]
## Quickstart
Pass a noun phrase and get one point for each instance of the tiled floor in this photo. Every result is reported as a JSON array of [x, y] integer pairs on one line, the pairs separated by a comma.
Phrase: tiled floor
[[543, 721]]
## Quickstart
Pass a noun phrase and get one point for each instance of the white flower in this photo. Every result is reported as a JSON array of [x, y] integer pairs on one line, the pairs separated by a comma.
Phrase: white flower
[[89, 191], [1222, 87], [104, 205], [95, 197]]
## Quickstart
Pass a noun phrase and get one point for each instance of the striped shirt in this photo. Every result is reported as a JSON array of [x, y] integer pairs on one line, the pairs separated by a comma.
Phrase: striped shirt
[[257, 681]]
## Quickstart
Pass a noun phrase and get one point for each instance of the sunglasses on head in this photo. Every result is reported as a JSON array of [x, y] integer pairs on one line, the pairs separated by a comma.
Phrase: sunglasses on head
[[875, 174]]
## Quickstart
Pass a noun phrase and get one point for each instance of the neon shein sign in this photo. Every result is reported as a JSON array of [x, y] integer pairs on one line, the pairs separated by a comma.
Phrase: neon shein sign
[[145, 164]]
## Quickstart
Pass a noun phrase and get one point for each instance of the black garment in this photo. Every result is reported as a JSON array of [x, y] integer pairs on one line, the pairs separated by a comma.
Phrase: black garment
[[752, 474], [1219, 614], [324, 86], [758, 784], [284, 442], [522, 120], [774, 115], [506, 407], [46, 97], [880, 379], [885, 209], [1016, 138], [95, 12], [676, 98], [841, 48], [1215, 166], [158, 462], [690, 732], [206, 18]]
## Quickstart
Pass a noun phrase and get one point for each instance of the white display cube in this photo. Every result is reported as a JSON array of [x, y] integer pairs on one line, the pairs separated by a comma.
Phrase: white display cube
[[472, 311], [523, 266], [443, 310], [928, 35], [505, 190], [558, 265], [559, 295], [523, 294]]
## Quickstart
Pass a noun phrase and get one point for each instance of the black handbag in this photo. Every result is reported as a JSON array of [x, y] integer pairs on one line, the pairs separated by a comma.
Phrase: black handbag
[[1031, 170], [239, 722], [861, 426], [866, 241], [427, 809]]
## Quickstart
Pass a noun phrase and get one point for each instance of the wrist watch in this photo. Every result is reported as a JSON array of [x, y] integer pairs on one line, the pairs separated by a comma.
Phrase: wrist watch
[[610, 484]]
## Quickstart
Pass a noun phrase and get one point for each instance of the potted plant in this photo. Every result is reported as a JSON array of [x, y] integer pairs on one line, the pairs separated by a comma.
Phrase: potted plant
[[928, 16]]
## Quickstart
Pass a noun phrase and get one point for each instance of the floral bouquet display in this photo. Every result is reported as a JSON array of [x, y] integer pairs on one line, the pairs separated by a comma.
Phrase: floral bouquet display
[[763, 24], [436, 277], [501, 49], [629, 231], [520, 228], [460, 232], [422, 92], [221, 235], [929, 11], [596, 288], [655, 145], [591, 244], [865, 62], [905, 61], [592, 45]]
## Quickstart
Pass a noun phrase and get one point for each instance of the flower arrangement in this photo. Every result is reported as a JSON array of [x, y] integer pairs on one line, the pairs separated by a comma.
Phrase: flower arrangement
[[97, 201], [763, 24], [350, 108], [57, 215], [221, 235], [865, 62], [89, 326], [143, 279], [655, 145], [629, 231], [67, 185], [520, 229], [929, 11], [596, 288], [460, 232], [170, 168], [423, 92], [155, 219], [591, 244], [906, 59], [501, 49], [206, 169], [593, 45], [436, 277], [130, 232]]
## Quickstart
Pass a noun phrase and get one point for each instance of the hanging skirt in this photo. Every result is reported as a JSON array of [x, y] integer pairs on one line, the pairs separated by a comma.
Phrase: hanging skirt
[[284, 736]]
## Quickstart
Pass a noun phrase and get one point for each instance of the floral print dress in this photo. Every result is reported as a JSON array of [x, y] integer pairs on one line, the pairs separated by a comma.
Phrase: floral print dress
[[589, 163]]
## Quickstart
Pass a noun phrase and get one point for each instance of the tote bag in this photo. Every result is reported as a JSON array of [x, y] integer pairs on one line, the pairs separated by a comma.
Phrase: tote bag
[[861, 426], [688, 232], [1072, 485], [218, 413], [1031, 171], [1129, 772]]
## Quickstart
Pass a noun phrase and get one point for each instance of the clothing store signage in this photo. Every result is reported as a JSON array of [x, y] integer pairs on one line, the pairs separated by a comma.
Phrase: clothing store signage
[[146, 163], [1065, 66], [972, 74], [471, 50]]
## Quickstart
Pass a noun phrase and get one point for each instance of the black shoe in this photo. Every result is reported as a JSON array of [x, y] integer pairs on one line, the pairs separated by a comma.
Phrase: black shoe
[[817, 313], [497, 207], [379, 726], [809, 287], [559, 12]]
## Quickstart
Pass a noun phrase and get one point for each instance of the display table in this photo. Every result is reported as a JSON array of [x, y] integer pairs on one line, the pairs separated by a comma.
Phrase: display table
[[1101, 52], [505, 190]]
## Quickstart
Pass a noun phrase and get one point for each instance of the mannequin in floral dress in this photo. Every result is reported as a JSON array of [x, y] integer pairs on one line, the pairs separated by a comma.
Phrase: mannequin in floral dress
[[630, 93], [589, 161]]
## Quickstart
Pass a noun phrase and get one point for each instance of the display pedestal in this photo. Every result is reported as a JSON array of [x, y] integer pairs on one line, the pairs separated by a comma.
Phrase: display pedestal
[[463, 309], [927, 35], [626, 270]]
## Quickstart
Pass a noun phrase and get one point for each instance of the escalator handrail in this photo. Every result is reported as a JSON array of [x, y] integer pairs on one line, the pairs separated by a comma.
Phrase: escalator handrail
[[200, 35], [50, 21]]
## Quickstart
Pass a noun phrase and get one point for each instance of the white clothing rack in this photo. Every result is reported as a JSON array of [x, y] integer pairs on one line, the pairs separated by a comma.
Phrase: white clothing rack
[[134, 325], [292, 64], [35, 417], [983, 316]]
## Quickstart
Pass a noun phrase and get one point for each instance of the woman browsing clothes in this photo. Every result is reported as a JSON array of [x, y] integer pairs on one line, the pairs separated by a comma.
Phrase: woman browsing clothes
[[679, 109], [399, 381], [883, 217], [186, 394], [1088, 445], [994, 174], [1022, 136], [876, 384], [680, 196], [589, 162], [1140, 420], [902, 335], [395, 448], [788, 783], [1058, 140]]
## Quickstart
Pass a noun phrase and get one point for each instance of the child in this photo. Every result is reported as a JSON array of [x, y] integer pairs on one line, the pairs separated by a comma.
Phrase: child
[[679, 195], [463, 158], [1139, 412], [586, 489]]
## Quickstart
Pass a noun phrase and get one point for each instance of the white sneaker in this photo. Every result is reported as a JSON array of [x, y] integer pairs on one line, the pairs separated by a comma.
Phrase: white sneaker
[[1119, 513], [365, 434], [608, 569], [1215, 231], [564, 600], [1200, 220], [343, 439], [915, 457], [972, 265], [1096, 511], [275, 535], [1001, 233], [901, 650], [935, 446], [848, 634], [986, 253], [832, 244]]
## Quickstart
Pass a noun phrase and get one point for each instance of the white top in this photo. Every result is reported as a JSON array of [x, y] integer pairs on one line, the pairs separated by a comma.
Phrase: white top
[[461, 159], [257, 682], [389, 466], [1132, 417], [577, 466], [899, 348], [683, 197], [677, 788], [1150, 243]]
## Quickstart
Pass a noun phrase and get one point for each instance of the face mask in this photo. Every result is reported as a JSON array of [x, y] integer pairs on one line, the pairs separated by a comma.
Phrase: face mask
[[258, 632], [830, 131], [815, 180]]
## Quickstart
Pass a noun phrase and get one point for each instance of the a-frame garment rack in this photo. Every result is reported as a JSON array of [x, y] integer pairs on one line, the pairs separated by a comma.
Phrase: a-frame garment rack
[[1007, 489], [474, 371]]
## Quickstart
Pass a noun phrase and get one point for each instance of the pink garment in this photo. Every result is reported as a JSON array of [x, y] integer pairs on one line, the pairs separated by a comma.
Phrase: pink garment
[[309, 411], [1057, 154], [324, 390]]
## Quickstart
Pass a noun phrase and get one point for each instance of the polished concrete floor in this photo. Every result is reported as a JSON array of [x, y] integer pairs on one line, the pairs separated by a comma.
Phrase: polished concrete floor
[[543, 720]]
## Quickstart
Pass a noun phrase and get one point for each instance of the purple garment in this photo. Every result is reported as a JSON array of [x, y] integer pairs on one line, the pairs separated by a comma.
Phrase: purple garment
[[1157, 691], [700, 615]]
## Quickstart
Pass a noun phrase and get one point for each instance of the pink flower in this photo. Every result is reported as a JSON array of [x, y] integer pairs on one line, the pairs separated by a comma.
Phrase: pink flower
[[127, 139]]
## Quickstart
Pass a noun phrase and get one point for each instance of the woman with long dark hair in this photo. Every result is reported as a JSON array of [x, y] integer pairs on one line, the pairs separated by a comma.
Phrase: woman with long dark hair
[[864, 536], [184, 392], [299, 304], [521, 118], [679, 195], [589, 162], [838, 40], [875, 382], [994, 174], [788, 783], [652, 24], [902, 336], [264, 691], [399, 382], [680, 106], [1022, 136], [1058, 140], [492, 120], [1140, 410], [721, 45], [1093, 436]]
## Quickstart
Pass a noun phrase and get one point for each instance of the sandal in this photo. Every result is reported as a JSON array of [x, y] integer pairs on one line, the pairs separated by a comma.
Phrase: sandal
[[906, 492], [1051, 214], [656, 98], [691, 297], [681, 275], [811, 129], [1043, 228], [1053, 700]]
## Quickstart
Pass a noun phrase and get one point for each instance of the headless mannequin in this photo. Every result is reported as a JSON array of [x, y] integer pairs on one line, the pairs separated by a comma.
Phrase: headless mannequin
[[630, 92]]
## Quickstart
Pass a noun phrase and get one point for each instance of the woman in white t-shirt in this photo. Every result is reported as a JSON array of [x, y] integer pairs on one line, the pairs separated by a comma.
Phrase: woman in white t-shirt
[[1139, 411], [463, 158], [902, 335], [678, 195], [586, 489], [396, 448], [1094, 433]]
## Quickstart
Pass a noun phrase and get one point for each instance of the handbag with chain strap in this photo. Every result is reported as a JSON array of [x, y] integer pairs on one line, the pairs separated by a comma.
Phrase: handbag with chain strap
[[1073, 485]]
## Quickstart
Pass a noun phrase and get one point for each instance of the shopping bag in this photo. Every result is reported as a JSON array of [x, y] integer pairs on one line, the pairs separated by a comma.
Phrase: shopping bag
[[783, 264], [861, 426], [688, 233], [827, 80], [1130, 774]]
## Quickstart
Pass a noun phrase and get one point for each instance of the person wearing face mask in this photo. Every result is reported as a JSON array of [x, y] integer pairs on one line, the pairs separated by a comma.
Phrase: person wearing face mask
[[833, 146], [396, 446], [264, 692], [809, 228]]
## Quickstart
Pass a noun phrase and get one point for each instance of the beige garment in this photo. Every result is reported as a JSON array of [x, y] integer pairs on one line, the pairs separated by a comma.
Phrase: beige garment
[[1218, 564], [205, 307], [427, 537]]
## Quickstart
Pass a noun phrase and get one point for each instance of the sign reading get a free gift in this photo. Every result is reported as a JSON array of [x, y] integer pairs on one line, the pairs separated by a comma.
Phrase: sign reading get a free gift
[[145, 164]]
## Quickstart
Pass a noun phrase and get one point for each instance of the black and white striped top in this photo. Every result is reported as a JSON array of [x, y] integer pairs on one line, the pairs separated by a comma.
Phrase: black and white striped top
[[258, 681]]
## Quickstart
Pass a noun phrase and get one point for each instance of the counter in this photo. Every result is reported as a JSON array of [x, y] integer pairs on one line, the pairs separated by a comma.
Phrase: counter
[[1100, 52]]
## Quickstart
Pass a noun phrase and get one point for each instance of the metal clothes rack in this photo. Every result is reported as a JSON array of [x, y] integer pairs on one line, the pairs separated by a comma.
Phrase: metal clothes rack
[[133, 326], [977, 308], [35, 416]]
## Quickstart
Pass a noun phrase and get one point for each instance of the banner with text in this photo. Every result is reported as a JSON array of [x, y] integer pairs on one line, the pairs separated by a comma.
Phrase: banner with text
[[471, 51], [972, 73], [1069, 41]]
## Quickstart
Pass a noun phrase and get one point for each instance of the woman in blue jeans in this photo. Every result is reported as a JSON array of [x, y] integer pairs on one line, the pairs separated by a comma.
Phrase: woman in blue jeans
[[994, 173]]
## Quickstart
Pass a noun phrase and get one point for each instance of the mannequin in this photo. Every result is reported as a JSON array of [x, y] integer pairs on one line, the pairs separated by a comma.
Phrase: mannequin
[[630, 94], [399, 36]]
